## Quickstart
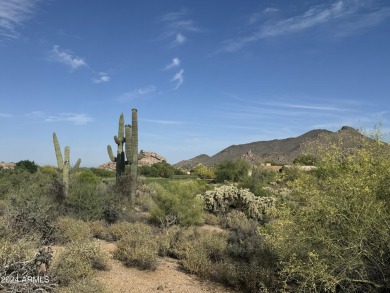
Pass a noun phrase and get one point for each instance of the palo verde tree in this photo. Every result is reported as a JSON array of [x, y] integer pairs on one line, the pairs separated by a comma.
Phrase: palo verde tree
[[333, 232], [64, 165], [127, 151]]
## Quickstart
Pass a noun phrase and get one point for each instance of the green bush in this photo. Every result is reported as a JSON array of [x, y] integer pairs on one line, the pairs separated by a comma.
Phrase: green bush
[[30, 166], [32, 211], [178, 203], [89, 199], [259, 178], [160, 169], [337, 238], [233, 171], [306, 160], [103, 173]]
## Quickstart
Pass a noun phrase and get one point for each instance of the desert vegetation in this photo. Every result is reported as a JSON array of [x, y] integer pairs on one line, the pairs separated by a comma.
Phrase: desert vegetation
[[325, 230]]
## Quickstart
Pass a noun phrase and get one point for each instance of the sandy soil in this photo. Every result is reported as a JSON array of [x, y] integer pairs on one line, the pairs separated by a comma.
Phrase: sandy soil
[[166, 278]]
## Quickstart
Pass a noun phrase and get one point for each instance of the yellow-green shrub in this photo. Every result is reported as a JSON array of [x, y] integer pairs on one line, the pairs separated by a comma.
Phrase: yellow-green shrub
[[79, 261], [69, 229], [137, 246]]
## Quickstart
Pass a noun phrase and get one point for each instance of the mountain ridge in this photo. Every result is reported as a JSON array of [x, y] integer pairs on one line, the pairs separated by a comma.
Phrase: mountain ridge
[[279, 151]]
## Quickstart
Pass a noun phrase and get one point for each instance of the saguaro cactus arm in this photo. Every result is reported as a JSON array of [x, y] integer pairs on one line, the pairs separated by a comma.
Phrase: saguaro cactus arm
[[58, 152], [111, 154], [128, 131]]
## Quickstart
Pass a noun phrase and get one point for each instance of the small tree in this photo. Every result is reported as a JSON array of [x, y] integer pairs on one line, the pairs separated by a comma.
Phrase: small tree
[[30, 166], [232, 171]]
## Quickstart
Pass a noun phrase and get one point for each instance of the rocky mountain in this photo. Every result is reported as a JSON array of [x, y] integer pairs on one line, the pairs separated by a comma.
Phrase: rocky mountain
[[279, 151]]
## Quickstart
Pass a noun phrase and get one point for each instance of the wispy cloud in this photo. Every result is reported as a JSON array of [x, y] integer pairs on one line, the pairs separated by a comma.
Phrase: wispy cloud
[[5, 115], [73, 118], [136, 93], [67, 57], [102, 77], [162, 121], [178, 78], [175, 63], [13, 14], [342, 13], [177, 25]]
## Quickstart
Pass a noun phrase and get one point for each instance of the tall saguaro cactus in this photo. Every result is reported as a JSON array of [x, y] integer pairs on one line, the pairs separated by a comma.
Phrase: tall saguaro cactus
[[127, 152], [120, 141], [134, 153], [64, 165]]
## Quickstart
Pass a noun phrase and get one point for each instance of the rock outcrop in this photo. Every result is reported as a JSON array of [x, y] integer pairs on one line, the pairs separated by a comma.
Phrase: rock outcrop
[[148, 159], [7, 165]]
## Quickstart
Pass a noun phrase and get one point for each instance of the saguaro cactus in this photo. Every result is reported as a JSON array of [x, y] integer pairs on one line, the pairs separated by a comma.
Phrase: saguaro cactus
[[127, 153], [120, 141], [134, 153], [64, 165]]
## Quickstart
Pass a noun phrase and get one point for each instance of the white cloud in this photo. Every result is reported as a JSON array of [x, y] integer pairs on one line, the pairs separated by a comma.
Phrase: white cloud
[[131, 95], [270, 10], [73, 118], [175, 63], [341, 10], [66, 57], [177, 26], [5, 115], [178, 78], [102, 78], [180, 39], [13, 13]]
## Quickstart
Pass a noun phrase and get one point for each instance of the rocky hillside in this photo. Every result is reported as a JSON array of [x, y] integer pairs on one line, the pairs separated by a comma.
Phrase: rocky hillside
[[279, 151], [149, 158]]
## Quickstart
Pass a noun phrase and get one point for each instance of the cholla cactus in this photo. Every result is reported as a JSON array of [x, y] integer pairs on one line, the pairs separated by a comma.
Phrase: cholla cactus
[[222, 199]]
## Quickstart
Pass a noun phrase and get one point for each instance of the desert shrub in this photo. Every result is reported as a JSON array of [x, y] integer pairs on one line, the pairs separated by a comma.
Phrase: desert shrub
[[306, 160], [119, 230], [232, 171], [89, 199], [258, 179], [336, 239], [137, 246], [177, 203], [17, 262], [69, 229], [48, 170], [32, 212], [78, 261], [30, 166], [160, 169], [85, 285], [12, 180], [198, 250], [100, 230], [211, 219], [205, 172], [222, 199], [103, 173]]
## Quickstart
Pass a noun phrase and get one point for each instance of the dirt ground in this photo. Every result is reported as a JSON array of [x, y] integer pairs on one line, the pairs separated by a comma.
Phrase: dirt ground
[[166, 278]]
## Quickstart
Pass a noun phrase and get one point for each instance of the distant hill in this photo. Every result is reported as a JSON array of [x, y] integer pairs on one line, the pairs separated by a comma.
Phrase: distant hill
[[279, 151]]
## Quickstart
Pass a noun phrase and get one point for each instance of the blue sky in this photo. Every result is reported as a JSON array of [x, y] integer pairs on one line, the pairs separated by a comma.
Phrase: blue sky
[[203, 74]]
